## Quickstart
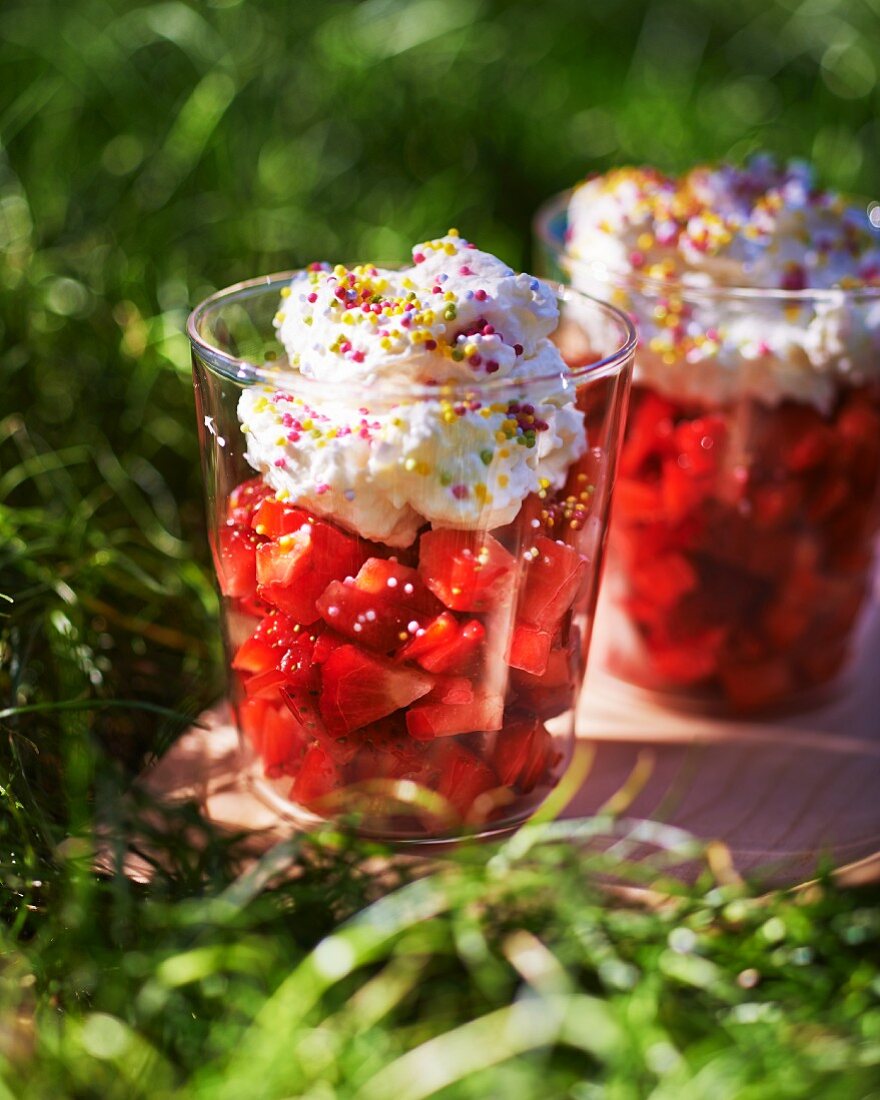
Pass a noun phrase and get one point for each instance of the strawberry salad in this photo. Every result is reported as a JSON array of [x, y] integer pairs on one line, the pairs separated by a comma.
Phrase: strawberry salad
[[410, 573], [747, 505]]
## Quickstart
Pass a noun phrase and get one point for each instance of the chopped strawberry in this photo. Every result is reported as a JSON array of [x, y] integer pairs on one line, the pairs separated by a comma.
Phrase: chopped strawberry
[[295, 570], [244, 500], [236, 562], [467, 570], [700, 445], [283, 742], [434, 635], [359, 688], [554, 576], [368, 619], [251, 714], [451, 689], [688, 662], [463, 778], [386, 752], [273, 518], [530, 648], [523, 751], [317, 777], [326, 642], [664, 580], [429, 720], [265, 685], [455, 654], [649, 433], [398, 584], [262, 650], [753, 687], [638, 501]]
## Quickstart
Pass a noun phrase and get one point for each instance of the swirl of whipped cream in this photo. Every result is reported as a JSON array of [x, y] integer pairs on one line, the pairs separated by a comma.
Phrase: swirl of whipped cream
[[383, 461], [761, 227]]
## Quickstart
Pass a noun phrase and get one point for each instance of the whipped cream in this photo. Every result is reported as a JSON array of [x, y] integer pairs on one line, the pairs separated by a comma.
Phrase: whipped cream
[[762, 227], [492, 420]]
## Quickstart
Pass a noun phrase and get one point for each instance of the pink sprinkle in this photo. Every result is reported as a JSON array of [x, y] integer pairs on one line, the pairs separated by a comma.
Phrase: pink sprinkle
[[459, 491], [293, 437], [480, 295], [418, 257], [280, 462], [313, 297], [465, 270], [763, 348], [713, 335], [491, 366], [794, 279], [436, 289], [340, 293], [636, 258], [517, 349], [322, 488], [430, 345], [364, 412], [475, 360], [358, 356], [488, 330]]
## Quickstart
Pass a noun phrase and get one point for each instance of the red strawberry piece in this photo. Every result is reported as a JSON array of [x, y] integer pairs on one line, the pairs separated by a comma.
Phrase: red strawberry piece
[[434, 635], [463, 778], [459, 653], [552, 692], [370, 620], [649, 433], [325, 643], [530, 648], [251, 713], [664, 580], [273, 518], [554, 576], [244, 500], [303, 702], [386, 752], [681, 493], [398, 584], [451, 689], [283, 742], [235, 561], [265, 685], [429, 720], [523, 751], [317, 777], [688, 662], [757, 686], [295, 570], [638, 501], [775, 504], [359, 688], [467, 570], [275, 633], [700, 445]]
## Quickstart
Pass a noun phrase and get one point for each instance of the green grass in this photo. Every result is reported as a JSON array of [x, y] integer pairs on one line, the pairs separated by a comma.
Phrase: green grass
[[148, 154]]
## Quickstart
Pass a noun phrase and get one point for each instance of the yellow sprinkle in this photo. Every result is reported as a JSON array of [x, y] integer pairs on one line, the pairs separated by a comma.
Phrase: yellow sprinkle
[[449, 296], [409, 465], [500, 437], [285, 292], [450, 249], [449, 416], [339, 271], [503, 481], [453, 233]]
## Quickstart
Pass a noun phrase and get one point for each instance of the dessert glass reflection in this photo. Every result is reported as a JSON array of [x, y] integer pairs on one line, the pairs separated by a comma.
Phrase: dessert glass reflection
[[748, 500], [408, 476]]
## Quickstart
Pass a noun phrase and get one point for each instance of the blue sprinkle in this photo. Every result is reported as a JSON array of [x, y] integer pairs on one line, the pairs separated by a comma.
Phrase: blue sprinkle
[[536, 285], [349, 494], [469, 295]]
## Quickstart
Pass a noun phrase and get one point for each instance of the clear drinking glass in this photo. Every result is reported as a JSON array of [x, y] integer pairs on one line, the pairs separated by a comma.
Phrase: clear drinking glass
[[423, 692], [744, 527]]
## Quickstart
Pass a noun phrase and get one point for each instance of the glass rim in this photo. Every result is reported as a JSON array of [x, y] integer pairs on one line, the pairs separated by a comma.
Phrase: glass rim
[[245, 371], [557, 205]]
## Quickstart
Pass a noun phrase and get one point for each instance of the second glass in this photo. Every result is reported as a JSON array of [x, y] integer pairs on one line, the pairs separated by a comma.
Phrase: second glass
[[426, 690], [745, 520]]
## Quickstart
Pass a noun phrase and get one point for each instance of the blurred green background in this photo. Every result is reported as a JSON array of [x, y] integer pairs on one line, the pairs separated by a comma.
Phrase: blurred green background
[[149, 153]]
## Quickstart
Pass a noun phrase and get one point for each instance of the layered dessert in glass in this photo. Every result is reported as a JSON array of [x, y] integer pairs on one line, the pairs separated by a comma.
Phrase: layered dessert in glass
[[408, 477], [747, 510]]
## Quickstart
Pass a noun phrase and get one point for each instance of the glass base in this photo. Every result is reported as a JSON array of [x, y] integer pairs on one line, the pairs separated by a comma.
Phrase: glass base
[[410, 837]]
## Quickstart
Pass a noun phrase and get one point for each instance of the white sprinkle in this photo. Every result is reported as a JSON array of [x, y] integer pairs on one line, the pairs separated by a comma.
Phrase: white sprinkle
[[412, 627], [331, 611], [358, 628], [371, 616], [392, 582], [408, 589]]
